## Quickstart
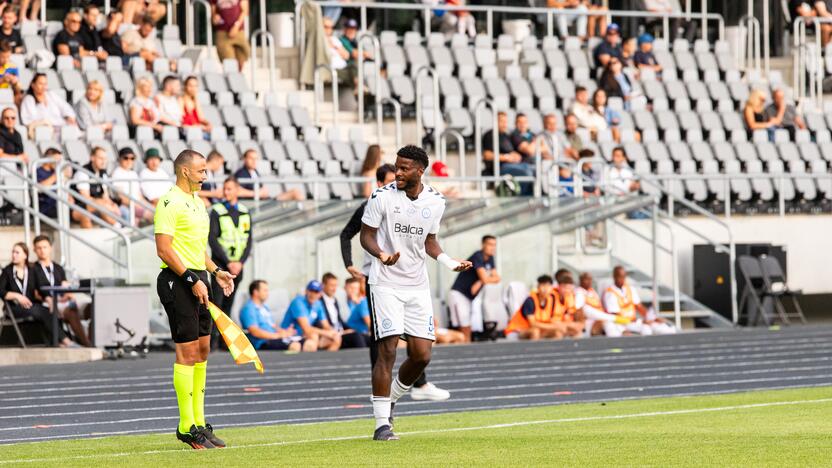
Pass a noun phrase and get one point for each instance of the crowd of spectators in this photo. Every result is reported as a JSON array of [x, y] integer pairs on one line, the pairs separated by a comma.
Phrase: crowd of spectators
[[777, 114]]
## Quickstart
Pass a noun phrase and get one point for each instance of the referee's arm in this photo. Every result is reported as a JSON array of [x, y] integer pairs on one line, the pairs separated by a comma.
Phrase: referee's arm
[[166, 252]]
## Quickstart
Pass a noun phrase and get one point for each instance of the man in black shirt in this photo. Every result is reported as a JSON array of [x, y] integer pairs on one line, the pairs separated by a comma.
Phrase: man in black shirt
[[90, 187], [511, 162], [110, 39], [11, 143], [611, 47], [68, 40], [9, 33], [90, 36], [386, 174], [469, 283], [48, 273]]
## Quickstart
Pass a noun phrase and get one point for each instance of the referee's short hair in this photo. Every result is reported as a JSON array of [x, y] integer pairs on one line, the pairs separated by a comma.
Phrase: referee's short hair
[[185, 158], [254, 286], [415, 153]]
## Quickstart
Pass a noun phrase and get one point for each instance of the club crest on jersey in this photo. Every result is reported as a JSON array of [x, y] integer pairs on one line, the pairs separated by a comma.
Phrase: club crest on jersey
[[400, 228], [426, 213], [411, 211], [397, 210]]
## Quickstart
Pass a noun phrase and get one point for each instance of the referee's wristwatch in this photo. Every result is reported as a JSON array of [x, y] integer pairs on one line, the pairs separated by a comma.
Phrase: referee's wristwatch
[[216, 270]]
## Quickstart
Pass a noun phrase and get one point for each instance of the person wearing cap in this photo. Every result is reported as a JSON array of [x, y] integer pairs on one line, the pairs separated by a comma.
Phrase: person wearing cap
[[304, 311], [155, 182], [610, 48], [125, 180], [349, 39], [644, 58]]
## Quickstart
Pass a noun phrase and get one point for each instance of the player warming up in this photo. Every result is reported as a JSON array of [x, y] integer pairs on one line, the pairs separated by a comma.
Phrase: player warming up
[[181, 229], [399, 230]]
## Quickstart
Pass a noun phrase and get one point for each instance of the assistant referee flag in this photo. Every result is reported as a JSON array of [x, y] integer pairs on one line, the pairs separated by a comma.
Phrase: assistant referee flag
[[238, 344]]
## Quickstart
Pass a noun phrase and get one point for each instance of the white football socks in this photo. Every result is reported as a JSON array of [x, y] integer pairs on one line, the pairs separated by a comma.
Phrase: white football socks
[[397, 389], [381, 410]]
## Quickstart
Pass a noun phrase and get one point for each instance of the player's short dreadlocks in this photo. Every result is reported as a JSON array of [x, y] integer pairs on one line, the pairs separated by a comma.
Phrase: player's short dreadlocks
[[415, 153]]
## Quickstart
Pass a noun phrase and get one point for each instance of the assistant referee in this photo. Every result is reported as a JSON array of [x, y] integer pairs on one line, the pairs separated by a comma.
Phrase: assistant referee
[[181, 229]]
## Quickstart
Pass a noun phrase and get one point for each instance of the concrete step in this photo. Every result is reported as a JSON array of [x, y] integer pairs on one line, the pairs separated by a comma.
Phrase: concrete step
[[18, 356]]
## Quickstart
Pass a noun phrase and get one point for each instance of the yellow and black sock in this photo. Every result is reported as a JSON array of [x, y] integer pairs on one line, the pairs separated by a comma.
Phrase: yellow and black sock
[[200, 375], [183, 383]]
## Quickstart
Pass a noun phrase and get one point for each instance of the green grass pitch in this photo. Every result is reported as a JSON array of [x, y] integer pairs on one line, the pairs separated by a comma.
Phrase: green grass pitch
[[771, 428]]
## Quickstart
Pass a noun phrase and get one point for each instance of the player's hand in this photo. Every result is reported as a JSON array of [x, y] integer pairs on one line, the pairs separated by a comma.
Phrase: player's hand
[[226, 282], [355, 273], [387, 259], [201, 292], [463, 265]]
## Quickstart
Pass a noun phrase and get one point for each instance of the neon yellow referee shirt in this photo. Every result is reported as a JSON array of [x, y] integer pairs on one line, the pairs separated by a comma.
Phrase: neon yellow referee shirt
[[183, 217]]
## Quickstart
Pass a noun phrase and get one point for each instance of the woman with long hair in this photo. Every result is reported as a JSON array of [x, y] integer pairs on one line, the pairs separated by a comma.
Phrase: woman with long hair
[[41, 107], [17, 286], [611, 116], [192, 115], [372, 161], [754, 114]]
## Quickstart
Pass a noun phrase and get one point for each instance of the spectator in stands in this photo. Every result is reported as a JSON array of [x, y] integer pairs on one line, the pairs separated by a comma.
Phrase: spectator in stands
[[535, 318], [126, 182], [42, 107], [111, 39], [47, 176], [350, 338], [562, 181], [572, 144], [143, 110], [610, 48], [68, 41], [623, 300], [212, 192], [136, 11], [248, 172], [621, 177], [94, 189], [813, 9], [261, 328], [349, 39], [33, 12], [372, 161], [141, 42], [755, 115], [588, 301], [338, 55], [155, 182], [228, 17], [359, 319], [587, 115], [644, 57], [553, 147], [522, 138], [611, 116], [11, 142], [572, 318], [564, 21], [192, 115], [91, 112], [677, 25], [458, 21], [9, 32], [9, 74], [304, 311], [511, 162], [89, 34], [465, 314], [169, 102], [590, 179], [784, 114], [616, 83], [17, 286], [71, 308], [628, 51]]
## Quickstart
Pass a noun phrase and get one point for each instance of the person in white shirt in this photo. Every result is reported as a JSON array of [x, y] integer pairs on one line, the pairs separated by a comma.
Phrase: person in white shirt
[[588, 116], [96, 197], [621, 177], [553, 141], [126, 182], [338, 55], [622, 300], [155, 182], [42, 107], [169, 102], [398, 230], [589, 301]]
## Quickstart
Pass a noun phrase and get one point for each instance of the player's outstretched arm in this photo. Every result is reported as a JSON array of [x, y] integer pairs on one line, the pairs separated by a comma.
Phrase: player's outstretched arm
[[433, 249], [370, 244]]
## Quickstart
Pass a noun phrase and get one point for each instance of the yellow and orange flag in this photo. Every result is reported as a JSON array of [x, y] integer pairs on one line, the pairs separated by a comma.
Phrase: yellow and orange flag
[[238, 344]]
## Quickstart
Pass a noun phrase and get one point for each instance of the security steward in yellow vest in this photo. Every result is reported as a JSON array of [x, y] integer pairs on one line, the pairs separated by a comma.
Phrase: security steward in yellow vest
[[536, 317], [230, 237]]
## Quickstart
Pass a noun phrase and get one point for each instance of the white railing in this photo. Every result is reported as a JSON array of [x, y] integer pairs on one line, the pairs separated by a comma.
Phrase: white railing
[[319, 93], [267, 47]]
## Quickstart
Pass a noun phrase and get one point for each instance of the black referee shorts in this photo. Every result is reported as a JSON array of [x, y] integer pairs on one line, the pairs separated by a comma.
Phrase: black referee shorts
[[189, 320]]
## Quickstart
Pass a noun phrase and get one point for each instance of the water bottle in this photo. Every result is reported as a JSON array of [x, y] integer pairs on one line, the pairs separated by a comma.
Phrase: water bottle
[[74, 279]]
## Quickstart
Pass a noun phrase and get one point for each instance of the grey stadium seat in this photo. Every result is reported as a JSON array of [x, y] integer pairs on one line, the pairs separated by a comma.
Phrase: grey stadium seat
[[296, 151], [819, 167], [806, 186], [766, 151], [745, 151], [761, 185], [319, 151], [696, 187], [785, 185], [274, 151], [739, 186]]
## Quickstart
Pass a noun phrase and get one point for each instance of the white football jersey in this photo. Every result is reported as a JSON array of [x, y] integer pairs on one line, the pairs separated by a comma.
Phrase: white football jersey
[[403, 224]]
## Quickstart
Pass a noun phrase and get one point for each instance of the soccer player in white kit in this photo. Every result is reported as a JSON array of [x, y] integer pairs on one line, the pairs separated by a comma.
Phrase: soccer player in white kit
[[399, 230]]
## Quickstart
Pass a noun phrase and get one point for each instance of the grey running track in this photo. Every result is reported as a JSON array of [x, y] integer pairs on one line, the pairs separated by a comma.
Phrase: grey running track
[[136, 396]]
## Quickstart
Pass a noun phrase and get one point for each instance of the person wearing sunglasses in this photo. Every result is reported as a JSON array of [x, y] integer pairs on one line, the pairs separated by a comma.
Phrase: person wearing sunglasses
[[68, 41], [126, 182], [11, 142]]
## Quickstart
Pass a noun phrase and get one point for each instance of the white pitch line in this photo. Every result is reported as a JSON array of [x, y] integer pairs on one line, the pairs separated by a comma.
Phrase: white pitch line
[[164, 395], [443, 431], [637, 388], [657, 351], [283, 377], [565, 383]]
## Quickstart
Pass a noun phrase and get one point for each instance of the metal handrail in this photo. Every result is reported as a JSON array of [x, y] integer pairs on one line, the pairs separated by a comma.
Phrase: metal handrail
[[495, 137], [397, 113], [802, 59], [190, 13], [27, 235], [267, 47], [460, 141], [319, 93], [436, 113], [748, 44], [377, 63]]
